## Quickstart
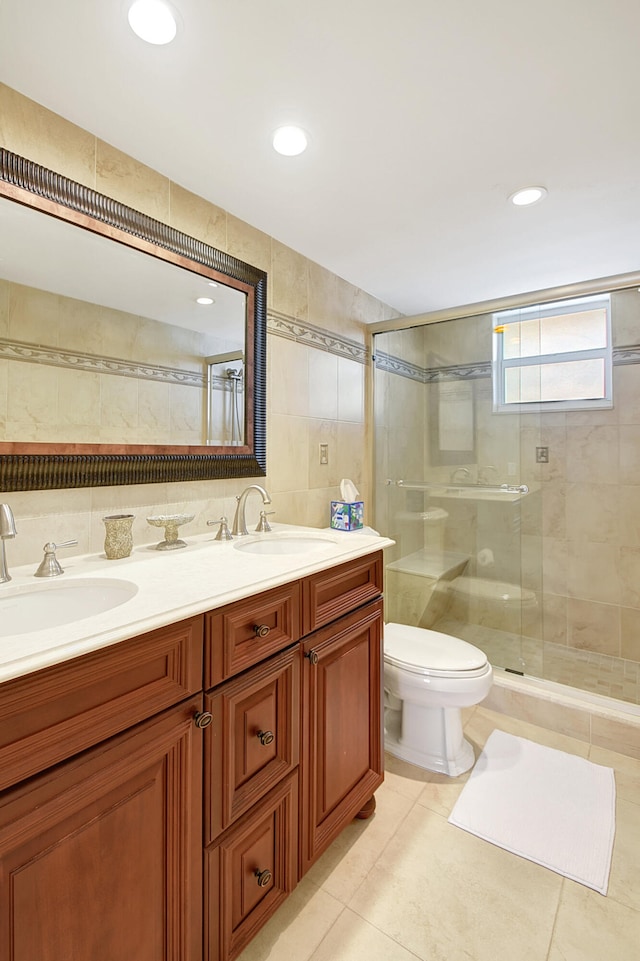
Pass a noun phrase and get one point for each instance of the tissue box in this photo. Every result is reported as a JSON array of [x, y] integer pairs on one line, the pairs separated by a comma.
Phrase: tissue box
[[347, 515]]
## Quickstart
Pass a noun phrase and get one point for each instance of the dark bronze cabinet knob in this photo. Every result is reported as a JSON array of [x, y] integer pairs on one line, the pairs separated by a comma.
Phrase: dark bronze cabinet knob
[[264, 877], [261, 630], [266, 737], [202, 719], [313, 657]]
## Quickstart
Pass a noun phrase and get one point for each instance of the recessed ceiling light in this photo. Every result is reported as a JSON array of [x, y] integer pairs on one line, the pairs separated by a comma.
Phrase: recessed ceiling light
[[205, 300], [290, 141], [153, 21], [527, 196]]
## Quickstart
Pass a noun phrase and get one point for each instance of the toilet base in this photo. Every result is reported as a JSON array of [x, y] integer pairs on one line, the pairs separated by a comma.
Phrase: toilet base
[[444, 750]]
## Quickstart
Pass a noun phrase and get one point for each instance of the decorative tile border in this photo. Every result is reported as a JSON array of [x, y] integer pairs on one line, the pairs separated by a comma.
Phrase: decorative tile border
[[626, 355], [77, 360], [283, 325], [431, 375]]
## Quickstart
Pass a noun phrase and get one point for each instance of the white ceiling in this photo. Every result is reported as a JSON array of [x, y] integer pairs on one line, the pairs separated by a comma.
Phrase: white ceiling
[[424, 116]]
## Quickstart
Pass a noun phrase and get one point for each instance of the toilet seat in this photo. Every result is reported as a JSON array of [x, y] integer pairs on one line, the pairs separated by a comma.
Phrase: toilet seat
[[431, 653]]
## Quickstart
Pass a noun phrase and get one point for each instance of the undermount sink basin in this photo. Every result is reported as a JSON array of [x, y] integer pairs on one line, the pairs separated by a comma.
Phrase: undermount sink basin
[[286, 544], [26, 609]]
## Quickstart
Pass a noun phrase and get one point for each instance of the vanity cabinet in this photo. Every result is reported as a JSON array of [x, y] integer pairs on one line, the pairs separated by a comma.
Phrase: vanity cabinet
[[101, 855], [160, 798]]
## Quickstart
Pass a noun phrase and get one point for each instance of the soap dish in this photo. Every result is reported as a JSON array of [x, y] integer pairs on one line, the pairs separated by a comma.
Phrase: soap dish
[[171, 523]]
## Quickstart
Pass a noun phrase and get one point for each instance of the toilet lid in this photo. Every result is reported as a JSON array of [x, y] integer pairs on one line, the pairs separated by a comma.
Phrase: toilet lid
[[430, 652]]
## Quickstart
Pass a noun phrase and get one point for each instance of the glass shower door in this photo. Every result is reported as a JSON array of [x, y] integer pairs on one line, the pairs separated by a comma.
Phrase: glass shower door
[[449, 491]]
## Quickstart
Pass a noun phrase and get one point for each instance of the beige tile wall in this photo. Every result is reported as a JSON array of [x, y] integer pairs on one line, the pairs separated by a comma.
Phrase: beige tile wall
[[313, 395]]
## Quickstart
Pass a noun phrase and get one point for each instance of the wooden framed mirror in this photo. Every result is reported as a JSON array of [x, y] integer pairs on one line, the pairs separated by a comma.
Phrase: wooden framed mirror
[[130, 353]]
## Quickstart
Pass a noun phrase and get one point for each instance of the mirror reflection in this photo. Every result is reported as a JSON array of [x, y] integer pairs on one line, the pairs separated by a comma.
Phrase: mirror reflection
[[104, 344]]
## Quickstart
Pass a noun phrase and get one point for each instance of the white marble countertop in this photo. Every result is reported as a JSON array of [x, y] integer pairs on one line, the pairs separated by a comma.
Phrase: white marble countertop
[[171, 586]]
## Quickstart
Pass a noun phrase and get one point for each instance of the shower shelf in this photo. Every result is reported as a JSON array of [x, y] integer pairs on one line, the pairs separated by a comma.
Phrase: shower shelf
[[483, 492]]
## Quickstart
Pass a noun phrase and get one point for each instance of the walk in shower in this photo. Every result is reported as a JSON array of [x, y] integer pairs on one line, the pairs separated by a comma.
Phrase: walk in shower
[[510, 482]]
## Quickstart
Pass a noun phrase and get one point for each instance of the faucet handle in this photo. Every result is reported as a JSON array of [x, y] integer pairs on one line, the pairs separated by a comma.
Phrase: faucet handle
[[224, 534], [50, 565], [263, 523]]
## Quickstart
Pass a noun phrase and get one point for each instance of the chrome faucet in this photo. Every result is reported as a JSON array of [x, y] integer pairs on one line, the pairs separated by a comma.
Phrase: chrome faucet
[[239, 522], [7, 530], [466, 473]]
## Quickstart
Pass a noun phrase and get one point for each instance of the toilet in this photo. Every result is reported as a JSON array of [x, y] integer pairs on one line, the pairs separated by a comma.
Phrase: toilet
[[428, 678]]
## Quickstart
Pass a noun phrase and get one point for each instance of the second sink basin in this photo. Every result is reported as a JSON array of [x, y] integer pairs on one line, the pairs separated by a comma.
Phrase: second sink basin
[[36, 608], [286, 544]]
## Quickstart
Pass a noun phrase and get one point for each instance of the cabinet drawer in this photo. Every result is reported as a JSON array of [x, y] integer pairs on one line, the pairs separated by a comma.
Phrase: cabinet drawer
[[248, 631], [329, 594], [250, 872], [253, 740], [55, 713]]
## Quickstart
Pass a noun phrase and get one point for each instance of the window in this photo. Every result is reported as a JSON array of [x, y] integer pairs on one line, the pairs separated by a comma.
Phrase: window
[[553, 356]]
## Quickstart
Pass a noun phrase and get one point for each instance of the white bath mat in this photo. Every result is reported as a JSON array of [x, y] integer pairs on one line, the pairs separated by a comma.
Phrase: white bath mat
[[545, 805]]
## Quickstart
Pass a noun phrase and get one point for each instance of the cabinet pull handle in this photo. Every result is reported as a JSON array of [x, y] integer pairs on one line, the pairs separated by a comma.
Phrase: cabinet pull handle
[[265, 737], [261, 630], [202, 719], [313, 657], [264, 877]]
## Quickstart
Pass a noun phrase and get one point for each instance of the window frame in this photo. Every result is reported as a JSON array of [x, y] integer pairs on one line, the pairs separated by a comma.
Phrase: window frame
[[500, 364]]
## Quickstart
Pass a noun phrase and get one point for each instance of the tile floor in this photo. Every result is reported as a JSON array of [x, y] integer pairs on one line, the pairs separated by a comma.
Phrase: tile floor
[[407, 885]]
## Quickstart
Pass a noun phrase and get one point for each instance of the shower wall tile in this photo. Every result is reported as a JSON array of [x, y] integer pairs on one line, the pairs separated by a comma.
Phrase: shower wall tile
[[626, 391], [525, 453], [555, 438], [554, 618], [554, 565], [594, 571], [607, 416], [592, 513], [592, 455], [630, 576], [630, 454], [532, 622], [625, 309], [531, 563], [630, 633], [593, 627], [629, 516], [555, 504]]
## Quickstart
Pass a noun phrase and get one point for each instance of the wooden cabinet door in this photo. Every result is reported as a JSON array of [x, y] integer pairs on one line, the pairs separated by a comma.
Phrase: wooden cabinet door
[[250, 871], [342, 743], [100, 857]]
